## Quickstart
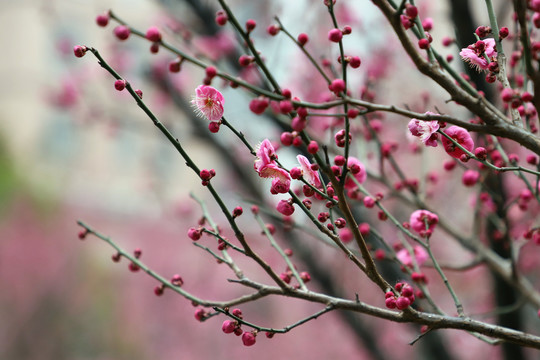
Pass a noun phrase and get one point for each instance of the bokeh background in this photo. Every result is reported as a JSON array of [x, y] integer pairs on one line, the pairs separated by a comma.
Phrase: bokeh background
[[71, 147]]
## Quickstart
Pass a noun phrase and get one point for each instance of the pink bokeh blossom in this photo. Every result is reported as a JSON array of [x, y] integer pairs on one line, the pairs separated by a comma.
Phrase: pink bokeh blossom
[[66, 97], [462, 137], [358, 170], [423, 220], [420, 255], [216, 46], [208, 102]]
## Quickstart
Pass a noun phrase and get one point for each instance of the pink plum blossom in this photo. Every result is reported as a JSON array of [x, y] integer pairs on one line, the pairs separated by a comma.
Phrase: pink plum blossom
[[309, 174], [420, 255], [285, 207], [266, 167], [474, 55], [66, 97], [470, 177], [358, 170], [266, 154], [423, 220], [275, 172], [216, 46], [425, 130], [346, 235], [280, 186], [208, 102], [462, 137]]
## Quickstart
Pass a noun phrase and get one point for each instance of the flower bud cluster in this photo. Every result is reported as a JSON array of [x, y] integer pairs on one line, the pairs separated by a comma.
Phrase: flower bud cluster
[[206, 175], [404, 298], [235, 327]]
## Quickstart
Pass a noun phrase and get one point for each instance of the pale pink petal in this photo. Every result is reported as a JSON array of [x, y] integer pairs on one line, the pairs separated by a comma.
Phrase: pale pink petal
[[266, 154], [309, 175], [490, 47], [425, 130], [476, 61], [472, 56], [414, 127], [420, 255], [274, 171], [404, 257]]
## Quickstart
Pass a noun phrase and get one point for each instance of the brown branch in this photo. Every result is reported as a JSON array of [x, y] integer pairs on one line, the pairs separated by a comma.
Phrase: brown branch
[[411, 316], [431, 320]]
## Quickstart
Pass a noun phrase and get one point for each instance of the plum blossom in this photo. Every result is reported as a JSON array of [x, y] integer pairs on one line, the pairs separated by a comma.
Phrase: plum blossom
[[275, 172], [66, 97], [285, 207], [420, 255], [462, 137], [309, 174], [266, 154], [470, 177], [346, 235], [266, 166], [280, 186], [422, 221], [216, 46], [474, 54], [208, 102], [358, 170], [425, 130]]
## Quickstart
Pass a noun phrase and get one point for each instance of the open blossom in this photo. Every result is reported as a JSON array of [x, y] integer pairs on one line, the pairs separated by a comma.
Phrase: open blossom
[[208, 102], [266, 154], [474, 54], [462, 137], [280, 185], [425, 130], [423, 220], [266, 166], [275, 172], [420, 255], [358, 170], [309, 174]]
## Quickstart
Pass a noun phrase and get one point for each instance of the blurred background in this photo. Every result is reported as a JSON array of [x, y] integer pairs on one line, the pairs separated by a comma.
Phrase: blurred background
[[73, 148]]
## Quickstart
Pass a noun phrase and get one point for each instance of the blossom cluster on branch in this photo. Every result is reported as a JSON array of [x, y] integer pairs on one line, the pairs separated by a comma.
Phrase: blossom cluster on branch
[[356, 187]]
